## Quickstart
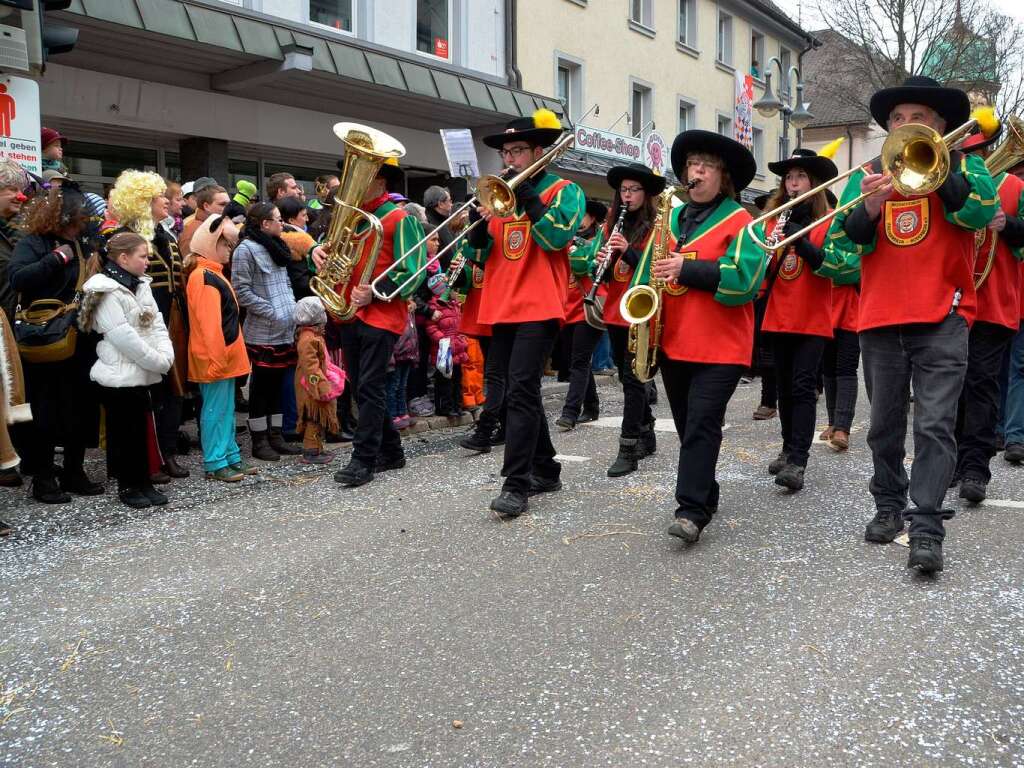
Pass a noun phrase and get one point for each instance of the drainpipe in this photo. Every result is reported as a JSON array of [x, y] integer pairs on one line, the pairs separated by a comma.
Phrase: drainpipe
[[849, 147], [515, 77]]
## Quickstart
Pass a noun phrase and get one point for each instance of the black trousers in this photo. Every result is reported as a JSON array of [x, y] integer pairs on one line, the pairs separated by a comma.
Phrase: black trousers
[[839, 365], [698, 394], [367, 352], [448, 393], [128, 410], [265, 392], [797, 357], [636, 408], [583, 340], [978, 408], [167, 408], [494, 414], [520, 351]]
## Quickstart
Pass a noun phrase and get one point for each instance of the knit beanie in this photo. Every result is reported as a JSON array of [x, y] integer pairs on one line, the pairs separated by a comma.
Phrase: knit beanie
[[309, 311]]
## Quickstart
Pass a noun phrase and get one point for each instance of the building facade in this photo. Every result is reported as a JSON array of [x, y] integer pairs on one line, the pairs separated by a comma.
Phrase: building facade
[[654, 66], [246, 88]]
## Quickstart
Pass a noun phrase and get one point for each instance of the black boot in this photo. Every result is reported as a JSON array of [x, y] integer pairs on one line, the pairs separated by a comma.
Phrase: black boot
[[510, 504], [626, 461], [173, 469], [685, 529], [544, 485], [354, 474], [387, 463], [479, 439], [261, 447], [498, 438], [134, 498], [778, 463], [925, 555], [77, 482], [156, 498], [46, 490], [565, 422], [588, 415], [1014, 453], [791, 476], [648, 441], [885, 526], [278, 443], [972, 489]]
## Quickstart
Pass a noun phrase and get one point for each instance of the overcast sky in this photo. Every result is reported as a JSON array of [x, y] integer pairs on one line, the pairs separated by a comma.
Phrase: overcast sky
[[810, 19]]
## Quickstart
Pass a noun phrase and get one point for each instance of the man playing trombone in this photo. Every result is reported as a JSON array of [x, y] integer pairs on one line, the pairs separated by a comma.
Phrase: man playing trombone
[[526, 279], [917, 300]]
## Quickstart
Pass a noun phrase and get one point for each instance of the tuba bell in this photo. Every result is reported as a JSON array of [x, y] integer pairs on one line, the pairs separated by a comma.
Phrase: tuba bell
[[366, 150]]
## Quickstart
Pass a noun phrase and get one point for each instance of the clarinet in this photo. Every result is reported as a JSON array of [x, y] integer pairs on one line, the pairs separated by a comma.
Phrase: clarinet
[[603, 259]]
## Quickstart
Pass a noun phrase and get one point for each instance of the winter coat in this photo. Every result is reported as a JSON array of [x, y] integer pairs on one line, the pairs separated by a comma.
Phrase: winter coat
[[135, 350], [8, 296], [312, 362], [216, 349], [299, 243], [263, 289], [447, 327]]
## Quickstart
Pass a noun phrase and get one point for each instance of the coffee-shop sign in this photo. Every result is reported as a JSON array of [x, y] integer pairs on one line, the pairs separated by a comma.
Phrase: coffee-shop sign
[[625, 149]]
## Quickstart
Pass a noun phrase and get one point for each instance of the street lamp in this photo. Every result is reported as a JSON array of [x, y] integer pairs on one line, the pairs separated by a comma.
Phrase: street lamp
[[770, 105]]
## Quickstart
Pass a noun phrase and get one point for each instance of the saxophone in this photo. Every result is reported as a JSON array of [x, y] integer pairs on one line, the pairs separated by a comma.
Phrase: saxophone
[[641, 305]]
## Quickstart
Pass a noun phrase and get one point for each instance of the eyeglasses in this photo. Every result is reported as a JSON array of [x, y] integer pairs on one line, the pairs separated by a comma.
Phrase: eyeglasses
[[513, 151], [630, 190], [708, 165]]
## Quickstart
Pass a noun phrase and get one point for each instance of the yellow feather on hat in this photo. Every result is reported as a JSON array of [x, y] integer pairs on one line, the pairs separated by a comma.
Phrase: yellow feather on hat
[[830, 149], [545, 118], [988, 122]]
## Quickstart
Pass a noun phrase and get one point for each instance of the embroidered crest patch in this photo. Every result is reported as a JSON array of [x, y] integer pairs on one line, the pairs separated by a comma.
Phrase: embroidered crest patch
[[516, 238], [622, 271], [792, 266], [478, 277], [672, 288], [906, 221]]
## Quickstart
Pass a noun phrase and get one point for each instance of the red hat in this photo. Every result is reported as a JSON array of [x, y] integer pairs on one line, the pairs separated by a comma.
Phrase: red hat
[[49, 136]]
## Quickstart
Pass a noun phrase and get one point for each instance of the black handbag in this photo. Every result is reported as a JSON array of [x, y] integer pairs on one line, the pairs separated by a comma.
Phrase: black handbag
[[47, 332]]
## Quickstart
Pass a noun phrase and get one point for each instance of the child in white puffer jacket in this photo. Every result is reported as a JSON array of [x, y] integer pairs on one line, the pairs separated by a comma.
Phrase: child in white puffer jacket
[[133, 354]]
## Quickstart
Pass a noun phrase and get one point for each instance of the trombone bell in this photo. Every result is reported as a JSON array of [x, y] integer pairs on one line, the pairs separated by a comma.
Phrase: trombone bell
[[917, 157], [494, 194]]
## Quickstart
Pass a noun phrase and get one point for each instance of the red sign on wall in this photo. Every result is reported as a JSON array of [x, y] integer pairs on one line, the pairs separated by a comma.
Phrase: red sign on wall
[[441, 47]]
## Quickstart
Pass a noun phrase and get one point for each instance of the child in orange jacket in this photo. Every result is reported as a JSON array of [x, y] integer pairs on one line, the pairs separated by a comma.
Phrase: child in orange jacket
[[216, 349]]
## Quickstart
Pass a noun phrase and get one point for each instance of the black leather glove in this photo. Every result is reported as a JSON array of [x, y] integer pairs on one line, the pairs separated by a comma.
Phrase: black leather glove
[[811, 254], [527, 197], [631, 256], [387, 285], [795, 225], [955, 189], [858, 227], [703, 275], [477, 236], [1013, 232], [800, 214]]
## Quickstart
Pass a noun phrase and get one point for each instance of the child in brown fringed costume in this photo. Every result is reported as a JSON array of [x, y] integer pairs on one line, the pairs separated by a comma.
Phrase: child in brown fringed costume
[[318, 382]]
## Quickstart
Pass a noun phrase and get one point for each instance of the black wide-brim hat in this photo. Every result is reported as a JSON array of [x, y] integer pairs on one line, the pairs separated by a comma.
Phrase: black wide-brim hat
[[761, 201], [597, 210], [524, 129], [952, 104], [393, 175], [738, 160], [821, 168], [652, 183]]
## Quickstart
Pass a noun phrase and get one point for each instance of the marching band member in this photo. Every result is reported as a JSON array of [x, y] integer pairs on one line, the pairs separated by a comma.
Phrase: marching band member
[[714, 272], [636, 189], [527, 274], [842, 356], [994, 327], [917, 301], [489, 430], [368, 340], [582, 337], [798, 315]]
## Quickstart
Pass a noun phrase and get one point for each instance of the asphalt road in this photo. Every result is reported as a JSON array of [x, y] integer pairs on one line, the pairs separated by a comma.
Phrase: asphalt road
[[288, 621]]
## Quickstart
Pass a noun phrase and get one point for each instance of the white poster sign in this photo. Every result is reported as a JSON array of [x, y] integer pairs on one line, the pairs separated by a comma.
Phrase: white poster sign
[[19, 122], [460, 151]]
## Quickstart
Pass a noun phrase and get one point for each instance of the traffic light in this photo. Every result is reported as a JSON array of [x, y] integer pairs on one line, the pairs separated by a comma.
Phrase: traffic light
[[57, 38]]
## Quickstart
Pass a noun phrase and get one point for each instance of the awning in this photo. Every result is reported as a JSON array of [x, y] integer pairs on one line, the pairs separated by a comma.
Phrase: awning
[[192, 43]]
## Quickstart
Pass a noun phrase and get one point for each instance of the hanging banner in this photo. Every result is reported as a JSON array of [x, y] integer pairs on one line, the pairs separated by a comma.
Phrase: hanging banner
[[743, 118], [19, 122]]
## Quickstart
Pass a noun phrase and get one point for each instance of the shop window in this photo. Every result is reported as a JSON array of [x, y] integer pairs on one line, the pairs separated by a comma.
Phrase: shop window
[[105, 160], [432, 27], [336, 14]]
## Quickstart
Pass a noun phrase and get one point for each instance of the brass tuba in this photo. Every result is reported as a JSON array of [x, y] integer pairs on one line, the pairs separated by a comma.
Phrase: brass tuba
[[641, 304], [366, 150], [1010, 153]]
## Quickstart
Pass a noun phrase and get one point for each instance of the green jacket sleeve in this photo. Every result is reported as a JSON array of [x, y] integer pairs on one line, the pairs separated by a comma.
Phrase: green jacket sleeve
[[563, 217], [742, 271], [844, 250], [581, 259], [983, 202], [407, 233], [1019, 252]]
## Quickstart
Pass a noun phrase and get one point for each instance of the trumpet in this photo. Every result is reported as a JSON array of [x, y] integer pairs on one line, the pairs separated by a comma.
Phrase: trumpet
[[604, 258], [914, 155], [495, 193]]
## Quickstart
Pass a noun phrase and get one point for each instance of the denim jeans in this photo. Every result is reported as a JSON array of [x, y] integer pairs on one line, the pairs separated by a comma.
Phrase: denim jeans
[[396, 383], [603, 354], [934, 357], [1012, 421], [842, 355]]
